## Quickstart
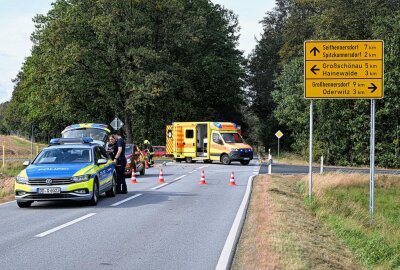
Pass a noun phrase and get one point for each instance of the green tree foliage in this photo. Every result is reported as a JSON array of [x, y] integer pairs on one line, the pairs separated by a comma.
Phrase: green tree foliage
[[341, 127], [263, 65], [3, 127], [149, 62]]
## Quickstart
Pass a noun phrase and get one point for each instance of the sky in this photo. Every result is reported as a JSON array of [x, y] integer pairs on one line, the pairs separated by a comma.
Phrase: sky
[[16, 26]]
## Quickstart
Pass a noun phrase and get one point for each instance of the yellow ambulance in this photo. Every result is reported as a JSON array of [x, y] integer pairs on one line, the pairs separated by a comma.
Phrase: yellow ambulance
[[207, 141]]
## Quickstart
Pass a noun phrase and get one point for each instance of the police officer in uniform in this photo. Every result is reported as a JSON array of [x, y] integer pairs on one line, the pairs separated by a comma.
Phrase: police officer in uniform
[[120, 163]]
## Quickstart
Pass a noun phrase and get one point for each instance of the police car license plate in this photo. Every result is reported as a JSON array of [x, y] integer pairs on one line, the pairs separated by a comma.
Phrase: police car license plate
[[53, 190]]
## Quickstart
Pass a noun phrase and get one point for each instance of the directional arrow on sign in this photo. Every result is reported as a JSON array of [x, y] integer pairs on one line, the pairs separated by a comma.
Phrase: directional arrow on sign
[[314, 50], [373, 87], [313, 69]]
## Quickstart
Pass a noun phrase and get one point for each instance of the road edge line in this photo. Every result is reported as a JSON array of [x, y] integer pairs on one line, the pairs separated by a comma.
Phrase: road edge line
[[7, 202], [226, 257]]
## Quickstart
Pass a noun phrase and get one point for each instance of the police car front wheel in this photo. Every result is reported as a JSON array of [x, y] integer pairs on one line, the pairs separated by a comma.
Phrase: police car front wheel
[[113, 190], [95, 197], [24, 204]]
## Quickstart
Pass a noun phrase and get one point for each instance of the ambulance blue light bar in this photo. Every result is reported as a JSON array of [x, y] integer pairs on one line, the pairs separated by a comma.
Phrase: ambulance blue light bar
[[218, 125]]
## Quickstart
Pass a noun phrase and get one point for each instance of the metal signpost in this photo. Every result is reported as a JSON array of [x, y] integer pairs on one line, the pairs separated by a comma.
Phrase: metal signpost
[[116, 123], [279, 135], [344, 69]]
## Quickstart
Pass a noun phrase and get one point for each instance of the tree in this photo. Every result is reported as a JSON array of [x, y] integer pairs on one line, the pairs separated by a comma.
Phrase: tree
[[149, 62]]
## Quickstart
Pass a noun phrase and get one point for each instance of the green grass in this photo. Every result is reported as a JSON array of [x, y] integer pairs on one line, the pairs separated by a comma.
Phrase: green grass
[[289, 158], [345, 210], [22, 143], [12, 168]]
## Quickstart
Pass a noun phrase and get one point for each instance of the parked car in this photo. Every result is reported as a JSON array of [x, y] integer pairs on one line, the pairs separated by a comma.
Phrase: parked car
[[135, 160], [160, 151], [69, 169]]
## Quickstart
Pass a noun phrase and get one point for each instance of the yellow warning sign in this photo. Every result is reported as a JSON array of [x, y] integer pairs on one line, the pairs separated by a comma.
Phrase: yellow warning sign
[[343, 69]]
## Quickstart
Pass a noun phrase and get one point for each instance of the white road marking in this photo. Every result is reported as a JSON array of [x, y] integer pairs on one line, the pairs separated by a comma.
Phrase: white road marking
[[160, 186], [127, 199], [225, 259], [180, 177], [163, 185], [65, 225], [6, 203]]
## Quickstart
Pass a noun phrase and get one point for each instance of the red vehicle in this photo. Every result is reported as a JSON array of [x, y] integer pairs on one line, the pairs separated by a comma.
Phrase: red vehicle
[[135, 160], [160, 151]]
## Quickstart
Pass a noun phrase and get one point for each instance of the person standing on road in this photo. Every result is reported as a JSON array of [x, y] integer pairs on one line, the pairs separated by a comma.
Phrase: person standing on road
[[111, 146], [150, 151], [120, 163]]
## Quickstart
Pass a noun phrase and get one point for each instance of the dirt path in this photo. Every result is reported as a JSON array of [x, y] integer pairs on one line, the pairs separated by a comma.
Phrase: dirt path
[[280, 233]]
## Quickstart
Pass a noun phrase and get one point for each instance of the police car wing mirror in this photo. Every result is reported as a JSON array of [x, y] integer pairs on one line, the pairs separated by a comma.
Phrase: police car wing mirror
[[101, 161], [26, 163]]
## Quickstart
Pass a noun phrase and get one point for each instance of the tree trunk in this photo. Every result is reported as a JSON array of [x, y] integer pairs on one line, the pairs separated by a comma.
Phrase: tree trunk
[[128, 129]]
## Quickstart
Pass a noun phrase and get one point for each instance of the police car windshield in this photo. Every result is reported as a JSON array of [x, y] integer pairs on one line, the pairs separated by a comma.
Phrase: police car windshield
[[232, 137], [64, 156], [94, 133]]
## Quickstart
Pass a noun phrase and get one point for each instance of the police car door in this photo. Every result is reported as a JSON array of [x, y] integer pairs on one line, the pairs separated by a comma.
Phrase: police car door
[[109, 168], [101, 169]]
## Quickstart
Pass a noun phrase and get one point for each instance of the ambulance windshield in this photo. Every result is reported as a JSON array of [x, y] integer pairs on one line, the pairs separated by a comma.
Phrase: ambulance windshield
[[232, 137]]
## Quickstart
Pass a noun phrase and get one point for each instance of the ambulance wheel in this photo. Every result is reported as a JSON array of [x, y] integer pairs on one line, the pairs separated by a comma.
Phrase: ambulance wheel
[[24, 204], [245, 162], [188, 160], [225, 159]]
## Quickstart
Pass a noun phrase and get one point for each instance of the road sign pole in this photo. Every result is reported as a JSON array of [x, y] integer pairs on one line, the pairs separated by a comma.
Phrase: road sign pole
[[278, 148], [310, 160], [372, 163]]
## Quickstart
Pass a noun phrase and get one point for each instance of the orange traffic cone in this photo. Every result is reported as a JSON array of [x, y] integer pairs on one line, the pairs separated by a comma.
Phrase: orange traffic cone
[[161, 177], [232, 180], [133, 178], [202, 178]]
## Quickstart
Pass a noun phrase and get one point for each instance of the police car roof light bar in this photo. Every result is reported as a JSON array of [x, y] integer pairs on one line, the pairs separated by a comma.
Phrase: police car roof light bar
[[71, 140]]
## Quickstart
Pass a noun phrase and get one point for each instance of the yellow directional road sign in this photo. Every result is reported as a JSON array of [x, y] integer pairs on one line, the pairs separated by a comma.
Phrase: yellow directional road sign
[[343, 69]]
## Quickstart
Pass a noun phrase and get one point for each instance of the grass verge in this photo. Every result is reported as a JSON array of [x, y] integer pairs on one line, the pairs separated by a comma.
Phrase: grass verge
[[342, 203], [7, 176], [281, 233]]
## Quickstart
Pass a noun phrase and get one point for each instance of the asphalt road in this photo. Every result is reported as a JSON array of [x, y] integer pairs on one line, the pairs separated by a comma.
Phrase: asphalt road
[[180, 225]]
